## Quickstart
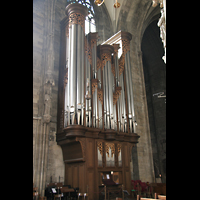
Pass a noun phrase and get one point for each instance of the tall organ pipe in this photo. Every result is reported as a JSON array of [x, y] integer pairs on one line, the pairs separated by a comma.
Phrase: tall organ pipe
[[131, 89], [69, 75], [110, 93], [73, 72], [74, 25], [82, 74], [127, 86], [79, 75]]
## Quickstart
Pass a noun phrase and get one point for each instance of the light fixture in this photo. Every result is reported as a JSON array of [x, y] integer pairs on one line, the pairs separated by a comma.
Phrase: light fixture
[[116, 5], [99, 2]]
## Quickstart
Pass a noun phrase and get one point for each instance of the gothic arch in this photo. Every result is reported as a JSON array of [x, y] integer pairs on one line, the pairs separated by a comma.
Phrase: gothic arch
[[135, 16], [104, 25]]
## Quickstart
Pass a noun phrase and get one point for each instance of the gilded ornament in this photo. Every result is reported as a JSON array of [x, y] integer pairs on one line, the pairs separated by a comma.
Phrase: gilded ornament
[[100, 147], [104, 58], [94, 85], [100, 95], [77, 18]]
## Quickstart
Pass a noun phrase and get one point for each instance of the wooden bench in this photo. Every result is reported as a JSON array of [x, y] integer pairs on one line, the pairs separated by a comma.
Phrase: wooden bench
[[159, 188], [163, 197]]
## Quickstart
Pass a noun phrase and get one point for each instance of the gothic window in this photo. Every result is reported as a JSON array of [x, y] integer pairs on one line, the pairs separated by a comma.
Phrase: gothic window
[[90, 19]]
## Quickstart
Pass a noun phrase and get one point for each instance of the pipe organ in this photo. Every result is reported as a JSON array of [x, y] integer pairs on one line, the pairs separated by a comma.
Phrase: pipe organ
[[96, 125]]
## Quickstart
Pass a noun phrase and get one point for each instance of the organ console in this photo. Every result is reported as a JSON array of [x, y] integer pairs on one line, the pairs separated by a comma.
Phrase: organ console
[[96, 126]]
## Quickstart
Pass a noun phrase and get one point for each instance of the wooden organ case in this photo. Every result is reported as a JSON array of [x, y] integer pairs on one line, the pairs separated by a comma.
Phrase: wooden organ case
[[95, 122]]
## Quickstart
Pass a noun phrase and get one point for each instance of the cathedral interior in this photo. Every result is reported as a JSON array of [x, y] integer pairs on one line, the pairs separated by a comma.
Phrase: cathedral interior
[[99, 96]]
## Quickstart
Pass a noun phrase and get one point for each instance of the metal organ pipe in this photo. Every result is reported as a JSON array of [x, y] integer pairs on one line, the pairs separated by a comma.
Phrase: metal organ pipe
[[131, 89], [128, 92], [79, 75], [128, 86], [83, 75], [110, 93], [66, 122]]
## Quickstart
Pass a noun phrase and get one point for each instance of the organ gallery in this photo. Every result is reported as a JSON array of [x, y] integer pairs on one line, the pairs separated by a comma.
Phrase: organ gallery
[[96, 126]]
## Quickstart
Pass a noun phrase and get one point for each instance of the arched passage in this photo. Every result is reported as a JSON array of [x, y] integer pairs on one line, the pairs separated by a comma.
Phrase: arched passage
[[154, 74]]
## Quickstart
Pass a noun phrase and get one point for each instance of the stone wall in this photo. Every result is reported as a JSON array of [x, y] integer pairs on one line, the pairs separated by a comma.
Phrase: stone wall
[[47, 155], [155, 82], [134, 17]]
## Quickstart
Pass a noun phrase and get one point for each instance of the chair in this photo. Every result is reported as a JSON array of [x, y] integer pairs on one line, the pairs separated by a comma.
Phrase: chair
[[58, 196], [149, 191], [139, 188], [133, 191], [80, 195], [163, 197], [42, 198], [58, 187], [84, 194]]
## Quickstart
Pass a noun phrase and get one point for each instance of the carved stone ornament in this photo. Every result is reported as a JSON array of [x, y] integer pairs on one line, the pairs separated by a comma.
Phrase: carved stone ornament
[[100, 147], [46, 118], [156, 2]]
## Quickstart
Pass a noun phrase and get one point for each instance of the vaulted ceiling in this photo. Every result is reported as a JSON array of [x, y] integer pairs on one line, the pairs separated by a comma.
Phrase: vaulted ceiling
[[135, 13], [113, 12]]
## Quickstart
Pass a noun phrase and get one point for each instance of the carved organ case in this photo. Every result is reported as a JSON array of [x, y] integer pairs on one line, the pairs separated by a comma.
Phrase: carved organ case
[[95, 122]]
